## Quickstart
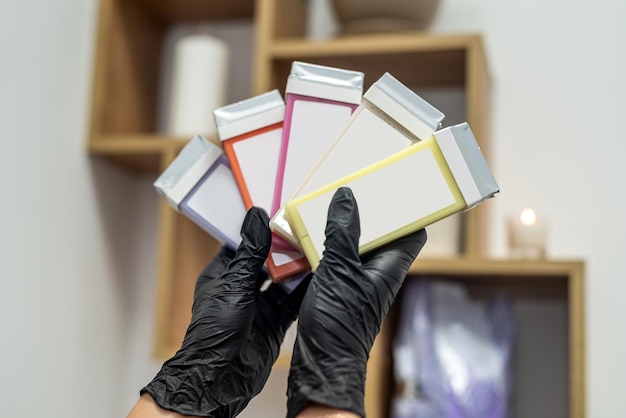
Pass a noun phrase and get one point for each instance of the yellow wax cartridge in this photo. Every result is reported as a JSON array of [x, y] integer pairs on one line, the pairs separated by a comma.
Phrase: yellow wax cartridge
[[402, 193]]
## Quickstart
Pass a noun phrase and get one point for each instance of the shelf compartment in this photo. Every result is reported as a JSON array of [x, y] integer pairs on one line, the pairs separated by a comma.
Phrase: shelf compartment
[[536, 288], [171, 11], [132, 38], [125, 84], [414, 58]]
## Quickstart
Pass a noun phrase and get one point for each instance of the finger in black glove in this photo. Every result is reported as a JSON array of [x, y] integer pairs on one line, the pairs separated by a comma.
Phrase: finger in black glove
[[235, 332], [342, 311]]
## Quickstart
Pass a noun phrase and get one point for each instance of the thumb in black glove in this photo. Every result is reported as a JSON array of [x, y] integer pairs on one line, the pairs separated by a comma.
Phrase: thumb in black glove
[[235, 332], [342, 311]]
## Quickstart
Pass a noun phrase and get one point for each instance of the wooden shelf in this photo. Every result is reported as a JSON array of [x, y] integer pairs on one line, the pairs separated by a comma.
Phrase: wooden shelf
[[170, 11], [418, 60], [139, 153], [468, 266], [522, 281], [379, 44]]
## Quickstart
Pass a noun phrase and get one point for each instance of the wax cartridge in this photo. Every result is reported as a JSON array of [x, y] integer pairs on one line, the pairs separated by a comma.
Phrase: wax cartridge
[[251, 133], [319, 102], [409, 190], [200, 184]]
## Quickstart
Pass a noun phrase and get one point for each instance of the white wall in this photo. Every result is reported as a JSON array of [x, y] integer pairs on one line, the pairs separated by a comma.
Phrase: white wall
[[69, 243], [558, 72], [77, 238]]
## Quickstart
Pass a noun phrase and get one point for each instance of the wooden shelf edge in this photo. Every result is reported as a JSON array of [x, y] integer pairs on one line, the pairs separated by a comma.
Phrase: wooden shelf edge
[[372, 44], [172, 11], [134, 144], [466, 265], [138, 153]]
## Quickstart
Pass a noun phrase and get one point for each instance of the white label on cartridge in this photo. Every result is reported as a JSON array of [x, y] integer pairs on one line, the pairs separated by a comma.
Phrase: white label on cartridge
[[314, 126], [258, 161], [219, 202], [366, 140], [389, 198]]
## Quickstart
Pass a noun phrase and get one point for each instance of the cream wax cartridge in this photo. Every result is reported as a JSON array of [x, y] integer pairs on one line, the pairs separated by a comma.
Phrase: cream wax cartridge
[[251, 132], [319, 102], [390, 118], [200, 184], [402, 193]]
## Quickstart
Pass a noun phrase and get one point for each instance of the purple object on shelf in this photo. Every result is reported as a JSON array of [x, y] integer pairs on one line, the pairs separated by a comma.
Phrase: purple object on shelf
[[452, 354]]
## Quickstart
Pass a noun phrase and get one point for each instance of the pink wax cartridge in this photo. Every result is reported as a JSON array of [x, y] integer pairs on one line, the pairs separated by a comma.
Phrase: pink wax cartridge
[[320, 101]]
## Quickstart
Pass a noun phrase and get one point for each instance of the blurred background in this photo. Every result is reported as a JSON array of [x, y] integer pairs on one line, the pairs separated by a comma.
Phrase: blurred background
[[78, 236]]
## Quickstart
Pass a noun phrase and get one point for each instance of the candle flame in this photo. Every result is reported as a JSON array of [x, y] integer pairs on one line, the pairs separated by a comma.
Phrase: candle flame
[[528, 217]]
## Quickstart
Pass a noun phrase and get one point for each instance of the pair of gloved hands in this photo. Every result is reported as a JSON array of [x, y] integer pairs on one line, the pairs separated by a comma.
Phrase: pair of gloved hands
[[236, 330]]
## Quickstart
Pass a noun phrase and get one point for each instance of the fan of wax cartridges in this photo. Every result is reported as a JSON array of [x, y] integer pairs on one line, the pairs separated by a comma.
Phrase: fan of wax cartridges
[[290, 156]]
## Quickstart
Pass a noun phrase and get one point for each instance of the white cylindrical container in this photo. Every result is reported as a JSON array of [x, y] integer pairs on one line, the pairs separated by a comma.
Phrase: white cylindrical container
[[199, 75]]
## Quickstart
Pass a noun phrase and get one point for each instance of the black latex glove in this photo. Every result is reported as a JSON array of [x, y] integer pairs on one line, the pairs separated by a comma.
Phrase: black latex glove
[[342, 311], [235, 332]]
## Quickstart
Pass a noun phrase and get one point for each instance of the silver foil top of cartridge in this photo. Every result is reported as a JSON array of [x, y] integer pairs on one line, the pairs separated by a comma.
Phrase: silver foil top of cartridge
[[405, 106], [325, 82], [257, 105], [248, 115]]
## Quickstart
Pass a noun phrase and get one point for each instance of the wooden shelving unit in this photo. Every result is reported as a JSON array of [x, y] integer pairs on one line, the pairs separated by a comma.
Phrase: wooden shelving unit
[[124, 113]]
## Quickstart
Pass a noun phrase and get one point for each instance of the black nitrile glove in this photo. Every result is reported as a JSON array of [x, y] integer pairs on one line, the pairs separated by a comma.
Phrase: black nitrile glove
[[235, 332], [342, 311]]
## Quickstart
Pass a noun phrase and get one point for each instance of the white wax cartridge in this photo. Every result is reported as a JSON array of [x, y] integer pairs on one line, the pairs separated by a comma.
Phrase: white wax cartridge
[[251, 133], [403, 193], [215, 204], [186, 170], [319, 102], [390, 118], [200, 184]]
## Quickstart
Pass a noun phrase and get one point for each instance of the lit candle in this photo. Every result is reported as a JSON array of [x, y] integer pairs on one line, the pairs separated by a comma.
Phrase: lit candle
[[527, 235]]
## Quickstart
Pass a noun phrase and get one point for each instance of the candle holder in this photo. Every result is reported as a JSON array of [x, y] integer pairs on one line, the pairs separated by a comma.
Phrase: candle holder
[[527, 235]]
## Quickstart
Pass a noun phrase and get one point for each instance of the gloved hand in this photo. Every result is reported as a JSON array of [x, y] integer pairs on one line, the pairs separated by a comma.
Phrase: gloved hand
[[342, 311], [235, 332]]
